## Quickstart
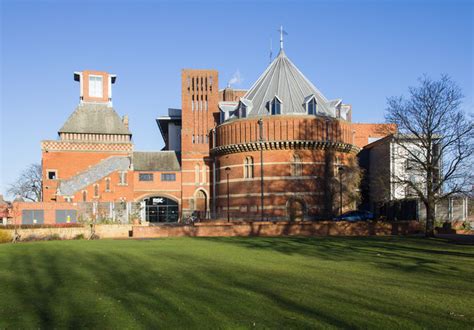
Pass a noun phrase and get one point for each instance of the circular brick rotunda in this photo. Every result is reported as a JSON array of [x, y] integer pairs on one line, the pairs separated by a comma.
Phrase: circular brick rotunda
[[303, 140]]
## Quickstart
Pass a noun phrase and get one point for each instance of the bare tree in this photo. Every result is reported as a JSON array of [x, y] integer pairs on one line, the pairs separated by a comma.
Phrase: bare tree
[[435, 141], [341, 184], [29, 184]]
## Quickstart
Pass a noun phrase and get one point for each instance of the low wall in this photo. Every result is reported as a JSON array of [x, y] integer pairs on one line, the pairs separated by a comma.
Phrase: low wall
[[103, 231], [283, 228]]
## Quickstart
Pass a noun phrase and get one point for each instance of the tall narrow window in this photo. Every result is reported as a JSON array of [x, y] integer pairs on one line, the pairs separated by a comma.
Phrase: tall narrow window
[[123, 178], [96, 190], [248, 167], [95, 86], [311, 106], [196, 173], [204, 174], [107, 184], [296, 166], [275, 106], [84, 196]]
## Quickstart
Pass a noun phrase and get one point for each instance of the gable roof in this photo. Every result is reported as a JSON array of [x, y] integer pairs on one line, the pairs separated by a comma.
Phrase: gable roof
[[282, 79], [95, 118], [155, 161]]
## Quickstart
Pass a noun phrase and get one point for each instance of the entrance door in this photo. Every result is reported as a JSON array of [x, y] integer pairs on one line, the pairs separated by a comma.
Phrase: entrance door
[[296, 210], [200, 202], [161, 209]]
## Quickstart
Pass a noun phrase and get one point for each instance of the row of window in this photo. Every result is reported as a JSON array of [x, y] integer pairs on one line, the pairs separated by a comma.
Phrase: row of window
[[123, 181], [275, 107], [199, 83], [164, 177], [200, 138], [199, 106]]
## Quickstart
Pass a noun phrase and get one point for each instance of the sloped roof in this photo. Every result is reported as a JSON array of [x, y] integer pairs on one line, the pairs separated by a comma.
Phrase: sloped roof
[[94, 173], [94, 118], [155, 161], [282, 79]]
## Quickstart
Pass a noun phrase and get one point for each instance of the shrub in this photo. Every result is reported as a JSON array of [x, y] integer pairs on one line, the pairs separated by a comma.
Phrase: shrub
[[30, 238], [79, 236], [5, 236], [52, 237]]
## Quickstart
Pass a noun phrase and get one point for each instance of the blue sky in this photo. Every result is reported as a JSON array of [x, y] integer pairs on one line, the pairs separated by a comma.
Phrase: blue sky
[[360, 51]]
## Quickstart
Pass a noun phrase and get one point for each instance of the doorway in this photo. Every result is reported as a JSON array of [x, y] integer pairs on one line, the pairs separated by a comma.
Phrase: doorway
[[160, 209]]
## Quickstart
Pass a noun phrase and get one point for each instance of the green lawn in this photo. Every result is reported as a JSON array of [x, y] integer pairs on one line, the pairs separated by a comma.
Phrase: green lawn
[[238, 282]]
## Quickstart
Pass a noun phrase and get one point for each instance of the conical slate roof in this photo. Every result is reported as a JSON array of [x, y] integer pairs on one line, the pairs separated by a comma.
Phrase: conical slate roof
[[95, 118], [283, 80]]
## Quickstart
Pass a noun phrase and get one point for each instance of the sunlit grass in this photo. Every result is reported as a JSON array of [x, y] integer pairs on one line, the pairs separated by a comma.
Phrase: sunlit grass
[[237, 282]]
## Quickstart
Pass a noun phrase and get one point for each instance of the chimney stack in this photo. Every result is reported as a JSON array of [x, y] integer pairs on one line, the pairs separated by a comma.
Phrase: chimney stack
[[125, 120]]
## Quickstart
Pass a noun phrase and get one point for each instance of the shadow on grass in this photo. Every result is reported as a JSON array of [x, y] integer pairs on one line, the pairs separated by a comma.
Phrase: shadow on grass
[[420, 253], [145, 286]]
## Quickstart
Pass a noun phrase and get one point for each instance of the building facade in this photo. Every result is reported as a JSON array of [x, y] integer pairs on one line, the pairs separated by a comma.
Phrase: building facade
[[270, 151]]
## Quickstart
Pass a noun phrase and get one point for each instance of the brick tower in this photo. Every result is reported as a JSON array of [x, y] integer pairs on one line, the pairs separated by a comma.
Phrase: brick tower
[[91, 159], [200, 114]]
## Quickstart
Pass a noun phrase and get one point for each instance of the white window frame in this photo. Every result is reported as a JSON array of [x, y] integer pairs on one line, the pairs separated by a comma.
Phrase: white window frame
[[313, 99], [93, 88]]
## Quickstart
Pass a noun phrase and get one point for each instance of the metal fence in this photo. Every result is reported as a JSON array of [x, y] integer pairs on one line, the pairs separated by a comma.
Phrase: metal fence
[[110, 212]]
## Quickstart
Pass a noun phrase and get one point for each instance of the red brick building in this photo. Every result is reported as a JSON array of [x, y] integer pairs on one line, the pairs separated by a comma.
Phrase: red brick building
[[215, 146]]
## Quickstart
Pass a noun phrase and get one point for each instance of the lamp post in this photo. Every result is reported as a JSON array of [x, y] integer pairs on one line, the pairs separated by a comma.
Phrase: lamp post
[[260, 126], [340, 170], [227, 171]]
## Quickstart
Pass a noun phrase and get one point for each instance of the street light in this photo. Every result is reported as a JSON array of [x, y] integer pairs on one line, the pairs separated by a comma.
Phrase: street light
[[227, 171], [260, 126], [340, 170]]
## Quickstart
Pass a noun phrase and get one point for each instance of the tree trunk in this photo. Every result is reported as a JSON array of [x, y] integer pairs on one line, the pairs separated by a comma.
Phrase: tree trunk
[[430, 219]]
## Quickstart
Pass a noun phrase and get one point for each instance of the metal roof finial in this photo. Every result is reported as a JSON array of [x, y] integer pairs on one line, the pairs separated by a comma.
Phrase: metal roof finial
[[282, 33]]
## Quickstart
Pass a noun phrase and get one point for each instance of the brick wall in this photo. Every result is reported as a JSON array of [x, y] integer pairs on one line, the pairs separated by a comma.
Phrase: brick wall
[[363, 131], [323, 228], [48, 208]]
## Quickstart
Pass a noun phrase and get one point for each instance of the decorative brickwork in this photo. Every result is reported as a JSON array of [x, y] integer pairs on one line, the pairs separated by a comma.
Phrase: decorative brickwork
[[48, 146]]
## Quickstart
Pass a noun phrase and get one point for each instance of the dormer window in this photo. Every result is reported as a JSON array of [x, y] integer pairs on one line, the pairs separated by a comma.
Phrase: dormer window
[[275, 106], [243, 111], [311, 106]]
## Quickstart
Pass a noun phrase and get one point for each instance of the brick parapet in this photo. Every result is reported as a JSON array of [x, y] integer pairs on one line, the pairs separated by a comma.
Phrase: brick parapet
[[284, 128]]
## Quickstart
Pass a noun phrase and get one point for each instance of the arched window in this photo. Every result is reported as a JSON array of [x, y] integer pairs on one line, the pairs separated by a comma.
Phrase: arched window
[[84, 196], [197, 169], [275, 106], [311, 106], [296, 166], [248, 167], [107, 184], [96, 190]]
